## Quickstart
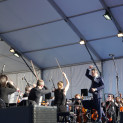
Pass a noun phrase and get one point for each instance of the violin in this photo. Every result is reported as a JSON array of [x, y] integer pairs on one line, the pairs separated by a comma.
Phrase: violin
[[107, 108], [94, 115], [82, 115]]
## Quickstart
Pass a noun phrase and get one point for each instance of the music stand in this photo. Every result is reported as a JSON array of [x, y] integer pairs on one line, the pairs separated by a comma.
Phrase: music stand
[[84, 92]]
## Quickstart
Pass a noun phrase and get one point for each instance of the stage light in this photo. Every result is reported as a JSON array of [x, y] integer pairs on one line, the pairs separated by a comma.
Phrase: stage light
[[12, 50], [107, 16], [16, 54], [120, 35], [82, 42]]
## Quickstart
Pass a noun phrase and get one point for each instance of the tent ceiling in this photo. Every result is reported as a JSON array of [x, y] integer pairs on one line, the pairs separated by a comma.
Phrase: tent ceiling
[[38, 30], [12, 63]]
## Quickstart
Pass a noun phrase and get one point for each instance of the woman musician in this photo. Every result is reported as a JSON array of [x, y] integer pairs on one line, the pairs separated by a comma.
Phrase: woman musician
[[60, 94]]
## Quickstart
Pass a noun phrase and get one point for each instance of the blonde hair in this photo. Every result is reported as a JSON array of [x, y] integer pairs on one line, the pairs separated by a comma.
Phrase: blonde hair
[[60, 83], [40, 82]]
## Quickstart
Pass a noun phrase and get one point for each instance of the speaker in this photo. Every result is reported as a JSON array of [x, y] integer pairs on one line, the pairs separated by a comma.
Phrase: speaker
[[121, 117], [44, 114], [29, 114]]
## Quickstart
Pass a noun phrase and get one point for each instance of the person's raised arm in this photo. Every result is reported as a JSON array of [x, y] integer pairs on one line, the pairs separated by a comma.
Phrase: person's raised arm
[[67, 85], [11, 87], [88, 72]]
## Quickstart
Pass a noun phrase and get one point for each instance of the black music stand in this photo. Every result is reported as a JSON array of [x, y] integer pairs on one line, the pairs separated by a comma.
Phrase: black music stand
[[84, 92]]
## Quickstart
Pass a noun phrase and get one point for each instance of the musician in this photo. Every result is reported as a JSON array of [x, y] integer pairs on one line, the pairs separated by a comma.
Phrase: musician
[[110, 109], [34, 85], [78, 99], [118, 105], [27, 91], [78, 107], [96, 88], [6, 88], [36, 93], [60, 94]]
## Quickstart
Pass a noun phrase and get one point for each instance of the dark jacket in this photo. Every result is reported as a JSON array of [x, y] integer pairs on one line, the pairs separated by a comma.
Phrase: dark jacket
[[26, 94], [96, 83], [5, 91], [36, 93]]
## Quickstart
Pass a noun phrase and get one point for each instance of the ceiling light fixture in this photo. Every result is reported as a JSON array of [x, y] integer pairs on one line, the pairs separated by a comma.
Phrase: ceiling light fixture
[[120, 34], [82, 42], [12, 50], [16, 54], [107, 16]]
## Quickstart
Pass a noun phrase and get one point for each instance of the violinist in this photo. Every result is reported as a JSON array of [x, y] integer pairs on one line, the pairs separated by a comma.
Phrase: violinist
[[6, 88], [27, 91], [78, 99], [35, 95], [110, 109], [60, 94], [118, 104], [78, 107]]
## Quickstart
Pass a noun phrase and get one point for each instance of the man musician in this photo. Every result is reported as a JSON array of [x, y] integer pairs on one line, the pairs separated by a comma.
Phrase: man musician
[[35, 95], [109, 109], [96, 88]]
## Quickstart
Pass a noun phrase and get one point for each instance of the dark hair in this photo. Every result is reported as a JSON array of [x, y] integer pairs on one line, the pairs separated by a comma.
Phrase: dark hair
[[111, 95], [93, 69], [3, 76], [40, 82], [27, 88]]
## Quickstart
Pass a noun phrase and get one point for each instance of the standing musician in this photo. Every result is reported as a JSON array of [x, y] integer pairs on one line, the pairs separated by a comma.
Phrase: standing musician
[[6, 88], [96, 88], [36, 93], [60, 94], [27, 91]]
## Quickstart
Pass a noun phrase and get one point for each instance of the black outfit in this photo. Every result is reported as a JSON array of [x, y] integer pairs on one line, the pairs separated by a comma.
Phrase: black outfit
[[97, 95], [36, 93], [26, 94], [60, 100], [5, 91], [110, 111]]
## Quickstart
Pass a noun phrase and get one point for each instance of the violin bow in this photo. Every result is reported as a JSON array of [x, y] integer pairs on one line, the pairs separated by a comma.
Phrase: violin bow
[[58, 65], [34, 70]]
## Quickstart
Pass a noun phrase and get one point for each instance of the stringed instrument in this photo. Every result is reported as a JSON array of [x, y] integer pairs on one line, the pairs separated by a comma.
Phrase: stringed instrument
[[94, 115]]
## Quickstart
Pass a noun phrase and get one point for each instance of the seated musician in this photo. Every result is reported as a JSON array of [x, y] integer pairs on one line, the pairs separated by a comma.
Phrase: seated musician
[[36, 93], [118, 104], [27, 91], [77, 105], [78, 99], [6, 88], [121, 101], [109, 109]]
